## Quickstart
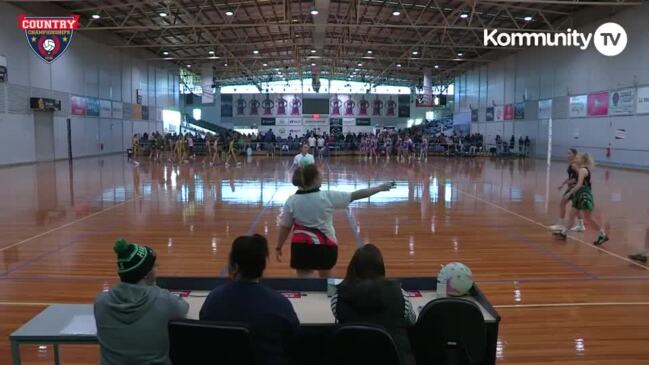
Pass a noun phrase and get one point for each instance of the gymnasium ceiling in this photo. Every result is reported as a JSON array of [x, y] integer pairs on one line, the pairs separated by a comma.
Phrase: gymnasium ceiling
[[344, 34]]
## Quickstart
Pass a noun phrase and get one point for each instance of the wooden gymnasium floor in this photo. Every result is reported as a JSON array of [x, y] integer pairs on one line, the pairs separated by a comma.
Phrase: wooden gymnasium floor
[[561, 302]]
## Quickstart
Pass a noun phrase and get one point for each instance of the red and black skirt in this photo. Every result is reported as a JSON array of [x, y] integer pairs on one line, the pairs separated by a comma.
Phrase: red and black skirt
[[312, 250]]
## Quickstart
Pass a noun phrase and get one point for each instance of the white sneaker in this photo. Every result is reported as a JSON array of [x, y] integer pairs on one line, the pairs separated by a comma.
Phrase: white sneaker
[[557, 227], [579, 227]]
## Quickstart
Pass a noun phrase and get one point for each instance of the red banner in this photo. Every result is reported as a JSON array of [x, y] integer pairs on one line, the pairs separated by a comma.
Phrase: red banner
[[509, 112], [78, 105], [598, 104]]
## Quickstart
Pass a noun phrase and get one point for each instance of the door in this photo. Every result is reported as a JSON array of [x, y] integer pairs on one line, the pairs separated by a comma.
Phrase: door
[[44, 135]]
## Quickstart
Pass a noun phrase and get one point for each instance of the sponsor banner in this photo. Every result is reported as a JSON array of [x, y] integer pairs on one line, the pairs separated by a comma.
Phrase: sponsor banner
[[288, 121], [577, 106], [117, 110], [545, 109], [508, 112], [78, 105], [474, 115], [145, 112], [499, 113], [128, 110], [598, 104], [105, 109], [489, 114], [336, 121], [267, 121], [363, 121], [315, 121], [284, 131], [519, 111], [642, 100], [92, 107], [620, 133], [136, 112], [621, 102]]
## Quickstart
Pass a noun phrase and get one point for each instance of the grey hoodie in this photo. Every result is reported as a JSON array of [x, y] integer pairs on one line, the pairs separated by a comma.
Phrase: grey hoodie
[[132, 324]]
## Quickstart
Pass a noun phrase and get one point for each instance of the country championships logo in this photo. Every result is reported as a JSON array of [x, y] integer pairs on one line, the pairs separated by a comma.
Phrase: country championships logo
[[609, 39], [48, 37]]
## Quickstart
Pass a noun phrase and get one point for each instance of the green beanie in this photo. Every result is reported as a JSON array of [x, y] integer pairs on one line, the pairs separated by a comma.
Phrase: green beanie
[[134, 262]]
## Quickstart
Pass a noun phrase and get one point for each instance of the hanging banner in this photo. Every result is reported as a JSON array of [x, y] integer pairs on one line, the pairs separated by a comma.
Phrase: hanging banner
[[598, 104], [474, 115], [508, 112], [117, 111], [92, 107], [267, 121], [136, 112], [519, 111], [226, 105], [578, 106], [545, 109], [499, 114], [145, 112], [489, 114], [642, 100], [404, 106], [621, 102], [78, 105], [104, 109]]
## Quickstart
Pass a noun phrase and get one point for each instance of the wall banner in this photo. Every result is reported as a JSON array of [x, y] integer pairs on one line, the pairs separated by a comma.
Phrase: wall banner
[[577, 106], [621, 102]]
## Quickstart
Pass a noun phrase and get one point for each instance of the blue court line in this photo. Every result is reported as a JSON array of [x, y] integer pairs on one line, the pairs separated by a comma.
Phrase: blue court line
[[252, 227], [73, 243]]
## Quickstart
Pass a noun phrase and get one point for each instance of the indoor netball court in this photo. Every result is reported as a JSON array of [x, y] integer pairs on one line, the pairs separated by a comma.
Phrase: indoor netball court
[[324, 182]]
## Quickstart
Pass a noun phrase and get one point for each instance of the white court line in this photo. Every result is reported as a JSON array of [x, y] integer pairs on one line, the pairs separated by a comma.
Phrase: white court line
[[559, 305], [546, 228], [69, 224]]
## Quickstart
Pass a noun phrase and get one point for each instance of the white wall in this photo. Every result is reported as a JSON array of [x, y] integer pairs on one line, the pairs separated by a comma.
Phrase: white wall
[[556, 73], [87, 68]]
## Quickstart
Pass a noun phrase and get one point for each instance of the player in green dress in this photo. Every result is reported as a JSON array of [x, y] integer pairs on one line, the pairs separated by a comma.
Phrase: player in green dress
[[582, 198]]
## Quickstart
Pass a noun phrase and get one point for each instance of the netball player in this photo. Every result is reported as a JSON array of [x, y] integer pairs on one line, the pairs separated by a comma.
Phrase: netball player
[[570, 181], [582, 198], [309, 214], [423, 149], [387, 145], [232, 152], [215, 150]]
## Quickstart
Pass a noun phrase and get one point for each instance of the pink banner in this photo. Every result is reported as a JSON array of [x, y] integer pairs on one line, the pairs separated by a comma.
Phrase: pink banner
[[78, 105], [509, 112], [598, 104]]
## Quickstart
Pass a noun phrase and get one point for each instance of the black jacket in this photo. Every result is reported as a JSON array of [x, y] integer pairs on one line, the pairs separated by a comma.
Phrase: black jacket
[[378, 302]]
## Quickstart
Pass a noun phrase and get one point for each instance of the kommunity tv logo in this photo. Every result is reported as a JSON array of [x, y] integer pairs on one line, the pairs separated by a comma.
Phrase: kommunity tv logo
[[610, 39]]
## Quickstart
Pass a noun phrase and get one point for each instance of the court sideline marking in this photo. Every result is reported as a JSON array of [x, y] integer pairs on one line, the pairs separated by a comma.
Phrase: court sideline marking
[[546, 228], [252, 227], [502, 306], [69, 224]]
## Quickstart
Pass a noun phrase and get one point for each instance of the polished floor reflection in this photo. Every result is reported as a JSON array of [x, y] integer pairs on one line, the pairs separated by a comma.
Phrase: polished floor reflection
[[568, 302]]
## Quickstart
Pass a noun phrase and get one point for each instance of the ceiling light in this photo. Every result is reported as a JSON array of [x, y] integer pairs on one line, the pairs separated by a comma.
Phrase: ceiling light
[[396, 13], [398, 65], [255, 51], [214, 57], [460, 54], [314, 11], [527, 18], [464, 15], [229, 13], [211, 52], [225, 64], [313, 64], [436, 66], [165, 53], [264, 64], [189, 66], [360, 64], [313, 51], [415, 52], [369, 51], [163, 14], [95, 16]]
